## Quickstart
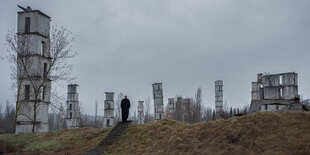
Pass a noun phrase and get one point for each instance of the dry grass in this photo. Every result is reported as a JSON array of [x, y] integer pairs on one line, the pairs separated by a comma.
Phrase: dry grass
[[70, 141], [259, 133]]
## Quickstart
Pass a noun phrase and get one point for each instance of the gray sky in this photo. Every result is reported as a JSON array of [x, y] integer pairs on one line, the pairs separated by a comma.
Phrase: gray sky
[[125, 46]]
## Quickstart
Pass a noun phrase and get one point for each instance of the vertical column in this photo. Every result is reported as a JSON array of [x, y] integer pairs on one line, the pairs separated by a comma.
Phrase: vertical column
[[73, 107], [140, 112], [218, 96], [33, 27], [171, 108], [108, 119], [158, 101]]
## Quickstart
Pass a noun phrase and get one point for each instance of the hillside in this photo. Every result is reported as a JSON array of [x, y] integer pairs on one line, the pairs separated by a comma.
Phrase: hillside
[[259, 133], [69, 141]]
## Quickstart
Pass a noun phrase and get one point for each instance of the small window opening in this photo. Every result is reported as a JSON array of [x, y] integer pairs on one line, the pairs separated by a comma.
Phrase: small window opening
[[220, 88], [45, 70], [108, 122], [43, 93], [27, 24], [280, 80], [70, 114], [70, 106], [159, 116], [27, 92], [43, 48], [281, 93]]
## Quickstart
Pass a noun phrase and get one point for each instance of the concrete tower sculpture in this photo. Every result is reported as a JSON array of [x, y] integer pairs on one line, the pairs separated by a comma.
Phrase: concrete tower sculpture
[[33, 29], [218, 96], [158, 101], [140, 112], [275, 92], [108, 119], [170, 108], [73, 107]]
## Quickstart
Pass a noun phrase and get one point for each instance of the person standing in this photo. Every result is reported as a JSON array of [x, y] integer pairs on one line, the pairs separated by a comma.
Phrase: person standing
[[125, 105]]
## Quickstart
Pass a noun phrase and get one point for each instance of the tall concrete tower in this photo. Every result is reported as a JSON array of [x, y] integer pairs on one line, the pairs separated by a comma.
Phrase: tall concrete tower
[[140, 112], [158, 101], [170, 108], [33, 29], [73, 107], [108, 119], [218, 96]]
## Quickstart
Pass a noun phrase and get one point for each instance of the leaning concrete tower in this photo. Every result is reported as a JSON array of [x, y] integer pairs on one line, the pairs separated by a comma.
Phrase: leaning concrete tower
[[158, 101], [140, 112], [170, 108], [218, 96], [73, 107], [33, 30], [108, 119]]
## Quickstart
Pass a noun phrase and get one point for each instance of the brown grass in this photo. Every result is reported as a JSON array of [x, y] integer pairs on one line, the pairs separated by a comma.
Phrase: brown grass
[[70, 141], [259, 133]]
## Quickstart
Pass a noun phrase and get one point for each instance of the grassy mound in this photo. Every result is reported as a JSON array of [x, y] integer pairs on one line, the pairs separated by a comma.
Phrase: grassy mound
[[70, 141], [259, 133]]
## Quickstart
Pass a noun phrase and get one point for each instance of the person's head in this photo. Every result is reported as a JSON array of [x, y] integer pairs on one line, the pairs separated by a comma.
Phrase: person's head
[[125, 96]]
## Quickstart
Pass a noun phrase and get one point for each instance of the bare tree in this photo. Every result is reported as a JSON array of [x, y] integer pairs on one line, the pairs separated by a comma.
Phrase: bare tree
[[8, 118], [82, 118], [58, 115], [197, 108], [118, 108], [17, 44], [87, 120], [224, 113], [96, 114], [1, 118], [135, 120], [189, 110], [207, 116], [147, 110], [213, 115], [20, 56]]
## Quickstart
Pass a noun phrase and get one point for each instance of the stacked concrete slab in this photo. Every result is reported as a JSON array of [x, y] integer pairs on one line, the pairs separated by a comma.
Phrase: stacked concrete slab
[[33, 29], [108, 119], [158, 101], [218, 97], [73, 107], [141, 112], [275, 92]]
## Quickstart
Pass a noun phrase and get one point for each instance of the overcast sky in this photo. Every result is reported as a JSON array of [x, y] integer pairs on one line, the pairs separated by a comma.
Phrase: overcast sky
[[126, 45]]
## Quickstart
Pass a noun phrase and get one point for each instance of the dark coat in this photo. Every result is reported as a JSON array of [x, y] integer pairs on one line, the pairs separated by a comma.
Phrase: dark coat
[[125, 105]]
